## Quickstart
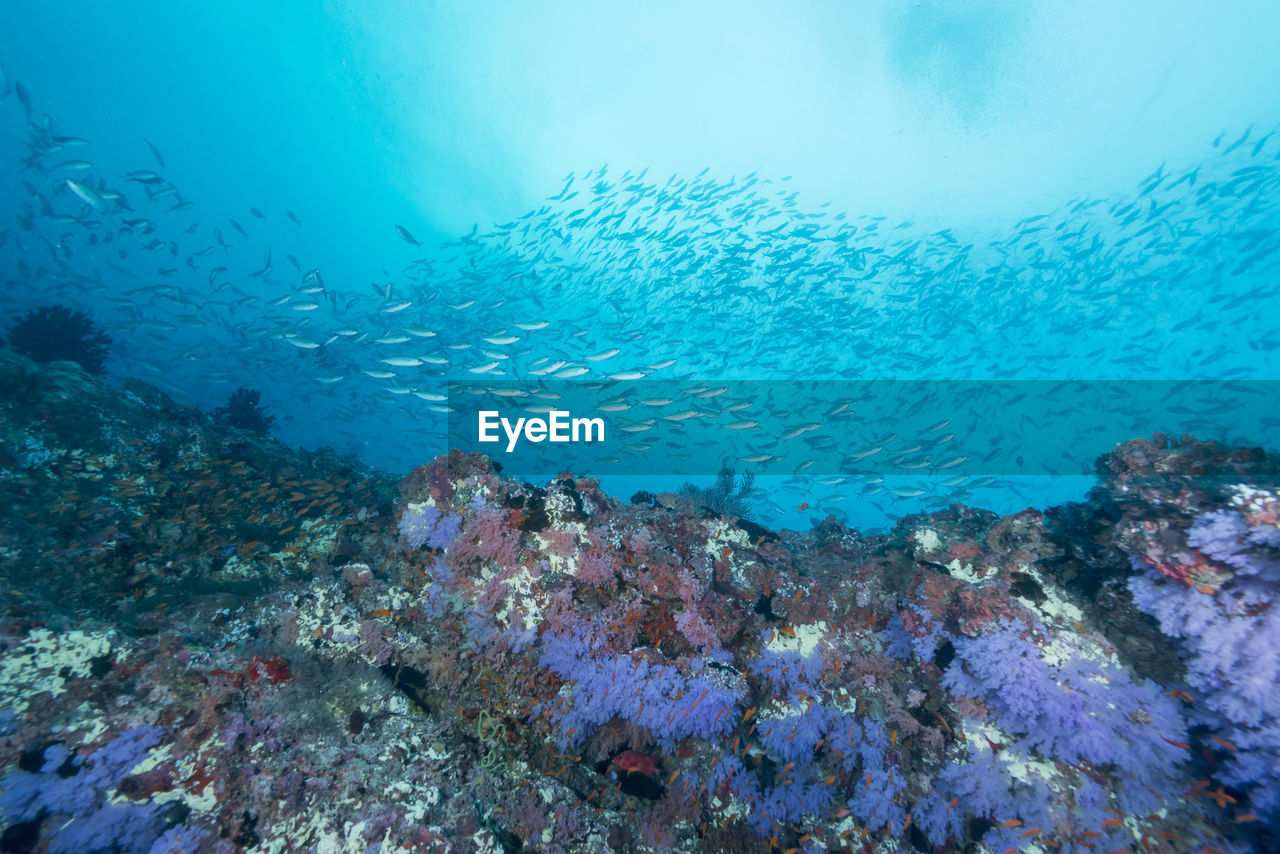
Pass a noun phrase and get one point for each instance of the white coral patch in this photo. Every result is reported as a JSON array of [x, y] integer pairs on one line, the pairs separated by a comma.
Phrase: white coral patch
[[722, 535], [46, 661], [927, 539], [805, 641], [965, 572]]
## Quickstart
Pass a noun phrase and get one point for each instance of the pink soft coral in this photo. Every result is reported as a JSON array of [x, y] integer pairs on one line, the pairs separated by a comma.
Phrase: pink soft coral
[[488, 535], [695, 629]]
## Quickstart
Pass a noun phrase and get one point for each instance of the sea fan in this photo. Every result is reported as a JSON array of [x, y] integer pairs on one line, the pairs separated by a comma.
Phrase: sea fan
[[57, 333], [244, 411]]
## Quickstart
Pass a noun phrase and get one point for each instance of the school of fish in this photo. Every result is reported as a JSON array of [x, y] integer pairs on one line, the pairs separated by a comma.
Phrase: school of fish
[[689, 308]]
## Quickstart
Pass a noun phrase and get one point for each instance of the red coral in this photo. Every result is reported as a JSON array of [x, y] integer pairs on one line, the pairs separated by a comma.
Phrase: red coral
[[275, 669]]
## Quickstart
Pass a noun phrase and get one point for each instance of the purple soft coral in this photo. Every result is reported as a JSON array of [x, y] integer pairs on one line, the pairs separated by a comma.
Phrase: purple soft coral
[[667, 703], [1227, 537], [77, 790], [424, 525], [1078, 711]]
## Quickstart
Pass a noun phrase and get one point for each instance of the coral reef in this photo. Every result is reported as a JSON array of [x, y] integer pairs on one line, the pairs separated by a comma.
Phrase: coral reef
[[490, 665]]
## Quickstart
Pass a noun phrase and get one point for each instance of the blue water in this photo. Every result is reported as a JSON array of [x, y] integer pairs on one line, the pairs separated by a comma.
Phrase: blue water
[[978, 191]]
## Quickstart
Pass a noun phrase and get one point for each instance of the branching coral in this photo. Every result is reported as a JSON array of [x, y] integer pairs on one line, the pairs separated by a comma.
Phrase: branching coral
[[58, 333], [244, 410], [728, 496]]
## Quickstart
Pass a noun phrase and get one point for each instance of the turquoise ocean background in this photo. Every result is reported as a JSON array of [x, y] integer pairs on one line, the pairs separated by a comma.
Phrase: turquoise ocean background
[[349, 206]]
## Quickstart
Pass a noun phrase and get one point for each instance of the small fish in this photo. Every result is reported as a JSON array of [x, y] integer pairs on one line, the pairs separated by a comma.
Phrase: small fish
[[144, 176], [89, 195], [406, 236], [1228, 745]]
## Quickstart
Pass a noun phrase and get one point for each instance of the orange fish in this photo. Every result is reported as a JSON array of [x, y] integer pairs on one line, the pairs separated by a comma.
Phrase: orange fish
[[1228, 745]]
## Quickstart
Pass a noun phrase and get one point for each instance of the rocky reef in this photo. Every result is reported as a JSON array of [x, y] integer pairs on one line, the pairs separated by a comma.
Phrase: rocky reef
[[214, 643]]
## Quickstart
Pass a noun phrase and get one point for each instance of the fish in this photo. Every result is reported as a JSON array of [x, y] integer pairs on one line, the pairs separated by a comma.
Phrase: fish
[[89, 195], [406, 236], [155, 153]]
